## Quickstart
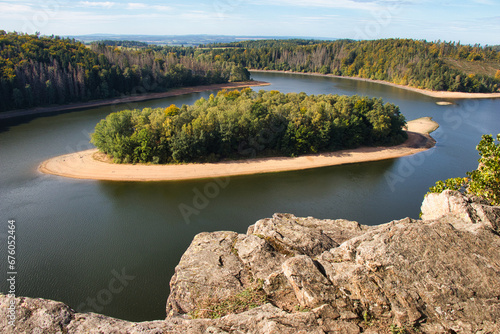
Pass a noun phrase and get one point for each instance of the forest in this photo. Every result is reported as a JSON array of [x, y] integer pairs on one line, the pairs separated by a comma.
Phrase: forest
[[415, 63], [46, 70], [243, 124], [39, 71]]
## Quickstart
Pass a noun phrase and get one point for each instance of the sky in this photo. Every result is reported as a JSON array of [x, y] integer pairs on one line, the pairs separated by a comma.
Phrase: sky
[[470, 22]]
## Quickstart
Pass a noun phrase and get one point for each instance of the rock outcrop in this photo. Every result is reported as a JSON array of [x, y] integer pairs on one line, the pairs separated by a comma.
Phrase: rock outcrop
[[436, 275]]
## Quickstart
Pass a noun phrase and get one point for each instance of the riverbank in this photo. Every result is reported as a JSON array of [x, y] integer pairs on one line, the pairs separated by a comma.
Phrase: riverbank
[[130, 99], [435, 94], [91, 165]]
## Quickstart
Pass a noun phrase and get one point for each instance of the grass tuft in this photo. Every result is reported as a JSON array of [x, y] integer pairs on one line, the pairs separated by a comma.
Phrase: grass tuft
[[214, 308]]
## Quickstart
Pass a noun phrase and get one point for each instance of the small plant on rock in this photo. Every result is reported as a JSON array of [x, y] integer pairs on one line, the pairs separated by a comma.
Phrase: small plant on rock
[[247, 299], [397, 330], [300, 308]]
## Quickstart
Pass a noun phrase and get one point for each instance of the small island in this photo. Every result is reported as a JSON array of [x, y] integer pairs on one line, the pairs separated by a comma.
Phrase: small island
[[244, 132]]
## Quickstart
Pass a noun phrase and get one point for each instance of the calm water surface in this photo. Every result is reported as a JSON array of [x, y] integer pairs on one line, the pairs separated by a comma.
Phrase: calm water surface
[[75, 237]]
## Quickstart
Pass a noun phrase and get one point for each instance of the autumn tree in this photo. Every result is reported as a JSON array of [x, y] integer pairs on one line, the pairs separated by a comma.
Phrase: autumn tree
[[37, 71], [485, 180], [410, 62]]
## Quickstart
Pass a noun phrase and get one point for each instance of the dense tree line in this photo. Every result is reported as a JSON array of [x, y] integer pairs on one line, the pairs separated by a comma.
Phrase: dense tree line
[[37, 71], [403, 61], [236, 124]]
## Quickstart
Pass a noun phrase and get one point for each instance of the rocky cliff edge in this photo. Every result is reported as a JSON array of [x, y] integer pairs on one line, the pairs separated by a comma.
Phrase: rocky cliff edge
[[287, 274]]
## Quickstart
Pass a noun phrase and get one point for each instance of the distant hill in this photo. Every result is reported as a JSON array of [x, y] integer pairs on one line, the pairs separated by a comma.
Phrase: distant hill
[[179, 40]]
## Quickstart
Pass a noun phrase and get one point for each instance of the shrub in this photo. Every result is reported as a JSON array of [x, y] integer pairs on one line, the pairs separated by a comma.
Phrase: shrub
[[485, 180]]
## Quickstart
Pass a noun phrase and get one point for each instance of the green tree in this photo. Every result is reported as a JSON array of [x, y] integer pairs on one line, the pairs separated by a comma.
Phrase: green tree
[[142, 142], [18, 98], [236, 123], [61, 70], [239, 73], [485, 180]]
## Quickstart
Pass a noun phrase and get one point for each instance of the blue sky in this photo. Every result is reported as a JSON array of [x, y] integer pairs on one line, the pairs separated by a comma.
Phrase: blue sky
[[472, 21]]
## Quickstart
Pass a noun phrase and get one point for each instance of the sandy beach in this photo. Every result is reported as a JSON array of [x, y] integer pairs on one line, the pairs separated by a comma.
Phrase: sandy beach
[[130, 99], [89, 165], [431, 93]]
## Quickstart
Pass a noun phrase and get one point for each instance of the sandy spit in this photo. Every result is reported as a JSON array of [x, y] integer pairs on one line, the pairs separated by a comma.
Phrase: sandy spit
[[89, 164]]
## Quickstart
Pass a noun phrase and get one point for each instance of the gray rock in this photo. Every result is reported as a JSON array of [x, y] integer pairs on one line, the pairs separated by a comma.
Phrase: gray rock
[[280, 292], [209, 268], [308, 236], [311, 288], [437, 205], [464, 209], [440, 274], [41, 316], [258, 255], [434, 271]]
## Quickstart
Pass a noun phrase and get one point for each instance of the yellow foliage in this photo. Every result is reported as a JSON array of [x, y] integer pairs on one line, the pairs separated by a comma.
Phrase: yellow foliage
[[172, 110], [222, 93], [232, 95]]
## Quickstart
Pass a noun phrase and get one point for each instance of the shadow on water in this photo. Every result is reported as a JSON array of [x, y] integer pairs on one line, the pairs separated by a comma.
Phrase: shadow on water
[[215, 203], [8, 123]]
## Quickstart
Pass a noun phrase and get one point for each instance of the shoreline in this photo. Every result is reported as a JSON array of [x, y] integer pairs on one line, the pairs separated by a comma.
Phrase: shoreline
[[231, 85], [431, 93], [84, 165], [129, 99]]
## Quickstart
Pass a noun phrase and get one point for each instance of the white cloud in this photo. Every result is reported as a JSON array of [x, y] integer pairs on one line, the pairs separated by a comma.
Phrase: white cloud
[[137, 5], [142, 6], [346, 4], [162, 8], [484, 2], [197, 15], [293, 18], [106, 4], [91, 22], [13, 8]]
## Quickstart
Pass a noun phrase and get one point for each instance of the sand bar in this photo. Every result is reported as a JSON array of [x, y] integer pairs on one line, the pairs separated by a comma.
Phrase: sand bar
[[427, 92], [130, 99], [89, 165]]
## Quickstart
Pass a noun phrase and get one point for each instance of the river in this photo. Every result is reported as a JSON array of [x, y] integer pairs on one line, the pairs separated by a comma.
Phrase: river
[[111, 247]]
